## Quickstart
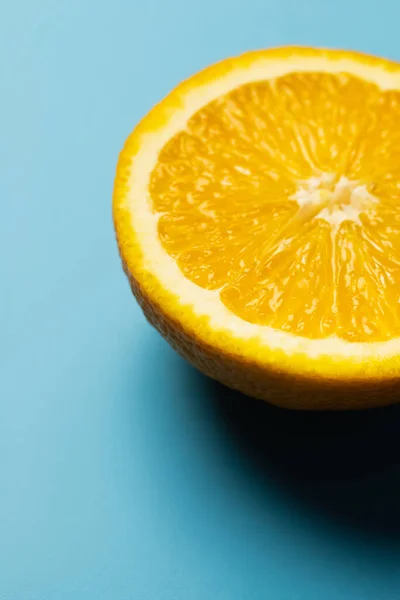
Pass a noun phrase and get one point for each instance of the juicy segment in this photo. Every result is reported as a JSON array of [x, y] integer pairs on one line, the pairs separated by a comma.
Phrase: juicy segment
[[282, 197]]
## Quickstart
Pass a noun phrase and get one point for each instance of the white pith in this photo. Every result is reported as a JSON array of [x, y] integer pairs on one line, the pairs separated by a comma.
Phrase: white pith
[[334, 200], [206, 303]]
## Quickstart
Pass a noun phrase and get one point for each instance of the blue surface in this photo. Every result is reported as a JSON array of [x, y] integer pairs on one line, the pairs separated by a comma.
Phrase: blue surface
[[126, 475]]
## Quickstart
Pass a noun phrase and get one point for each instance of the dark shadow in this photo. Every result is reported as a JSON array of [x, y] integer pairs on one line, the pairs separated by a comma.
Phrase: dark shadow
[[345, 466]]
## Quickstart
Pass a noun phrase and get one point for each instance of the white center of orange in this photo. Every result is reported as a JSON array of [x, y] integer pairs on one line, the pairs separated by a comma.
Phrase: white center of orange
[[334, 199]]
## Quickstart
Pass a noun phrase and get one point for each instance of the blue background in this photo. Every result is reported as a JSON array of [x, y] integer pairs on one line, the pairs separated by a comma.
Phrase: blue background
[[125, 474]]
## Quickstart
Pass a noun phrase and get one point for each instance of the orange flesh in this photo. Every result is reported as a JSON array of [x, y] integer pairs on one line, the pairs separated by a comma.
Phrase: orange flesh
[[239, 208]]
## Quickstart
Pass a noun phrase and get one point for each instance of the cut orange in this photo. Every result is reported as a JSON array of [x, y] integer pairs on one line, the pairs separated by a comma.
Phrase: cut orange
[[258, 218]]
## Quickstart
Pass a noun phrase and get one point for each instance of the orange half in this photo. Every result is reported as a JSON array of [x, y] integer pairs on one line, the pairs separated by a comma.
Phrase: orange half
[[258, 219]]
